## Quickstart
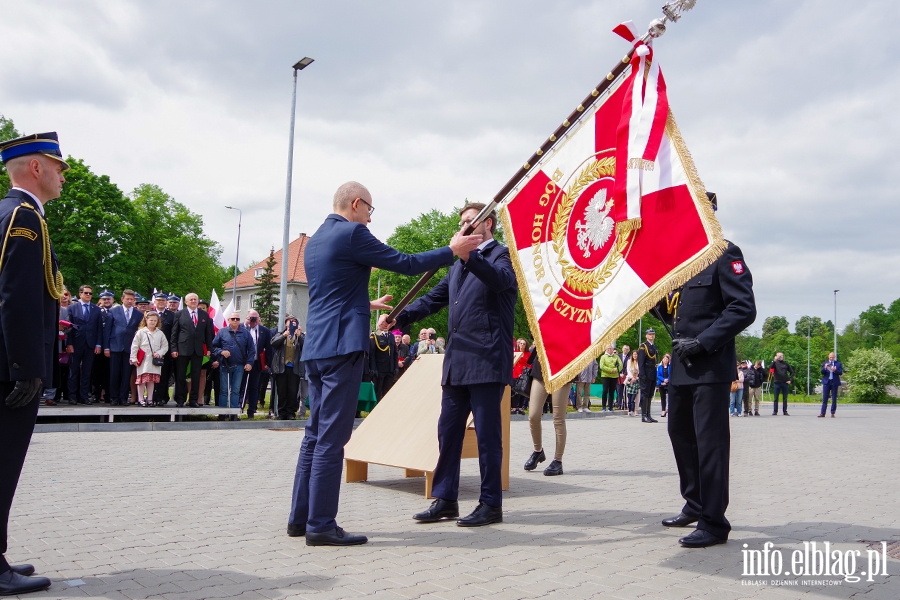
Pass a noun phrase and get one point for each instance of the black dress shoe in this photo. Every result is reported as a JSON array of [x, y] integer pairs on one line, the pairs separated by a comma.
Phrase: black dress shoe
[[652, 420], [25, 570], [335, 537], [296, 530], [554, 468], [534, 459], [13, 584], [786, 414], [193, 405], [73, 402], [682, 520], [644, 419], [482, 515], [439, 509], [700, 539], [88, 402]]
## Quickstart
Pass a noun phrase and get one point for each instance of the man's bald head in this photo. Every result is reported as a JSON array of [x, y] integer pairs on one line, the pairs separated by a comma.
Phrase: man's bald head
[[347, 193]]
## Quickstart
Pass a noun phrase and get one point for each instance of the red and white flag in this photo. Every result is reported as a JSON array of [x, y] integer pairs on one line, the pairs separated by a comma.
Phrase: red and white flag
[[215, 312], [609, 221]]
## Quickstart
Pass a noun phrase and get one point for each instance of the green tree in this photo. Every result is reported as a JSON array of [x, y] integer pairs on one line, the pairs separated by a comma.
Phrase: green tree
[[167, 247], [870, 371], [267, 295], [89, 226], [773, 325], [7, 132]]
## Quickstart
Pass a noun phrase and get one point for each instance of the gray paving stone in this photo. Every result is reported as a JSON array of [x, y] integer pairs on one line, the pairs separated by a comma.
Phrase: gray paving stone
[[192, 513]]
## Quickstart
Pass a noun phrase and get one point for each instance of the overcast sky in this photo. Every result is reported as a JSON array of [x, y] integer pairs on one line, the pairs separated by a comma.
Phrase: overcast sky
[[788, 107]]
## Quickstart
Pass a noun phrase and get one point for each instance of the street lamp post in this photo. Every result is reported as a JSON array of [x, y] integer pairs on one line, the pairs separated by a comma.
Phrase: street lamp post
[[880, 338], [237, 256], [286, 241], [835, 324]]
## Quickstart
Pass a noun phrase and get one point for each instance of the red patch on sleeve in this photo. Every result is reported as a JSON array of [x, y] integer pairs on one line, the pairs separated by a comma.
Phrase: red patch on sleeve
[[738, 267]]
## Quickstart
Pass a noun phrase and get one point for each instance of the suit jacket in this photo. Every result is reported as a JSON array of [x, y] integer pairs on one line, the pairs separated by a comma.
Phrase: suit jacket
[[382, 361], [263, 344], [714, 307], [87, 326], [481, 294], [338, 260], [29, 316], [625, 358], [826, 372], [119, 332], [186, 338]]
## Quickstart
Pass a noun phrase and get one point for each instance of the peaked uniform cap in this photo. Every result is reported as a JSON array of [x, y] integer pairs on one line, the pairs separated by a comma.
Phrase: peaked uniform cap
[[36, 143]]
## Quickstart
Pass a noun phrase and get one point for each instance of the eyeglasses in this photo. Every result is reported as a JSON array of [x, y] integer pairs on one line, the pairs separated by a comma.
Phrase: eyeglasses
[[233, 319], [371, 208], [87, 293]]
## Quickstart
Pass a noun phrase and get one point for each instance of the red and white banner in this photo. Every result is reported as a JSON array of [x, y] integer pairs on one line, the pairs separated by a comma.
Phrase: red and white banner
[[608, 222]]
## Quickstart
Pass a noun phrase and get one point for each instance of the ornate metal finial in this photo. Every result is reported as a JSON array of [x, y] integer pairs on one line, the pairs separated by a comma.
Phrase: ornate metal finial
[[673, 9]]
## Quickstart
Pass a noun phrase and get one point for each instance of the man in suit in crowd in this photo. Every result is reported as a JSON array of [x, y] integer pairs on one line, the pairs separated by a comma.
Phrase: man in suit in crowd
[[30, 287], [166, 320], [122, 323], [620, 387], [262, 337], [382, 361], [832, 369], [100, 372], [706, 315], [83, 342], [647, 355], [339, 259], [481, 291], [192, 336]]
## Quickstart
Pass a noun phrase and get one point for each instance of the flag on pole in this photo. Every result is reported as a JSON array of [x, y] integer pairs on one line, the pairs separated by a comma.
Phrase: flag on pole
[[609, 221], [215, 312]]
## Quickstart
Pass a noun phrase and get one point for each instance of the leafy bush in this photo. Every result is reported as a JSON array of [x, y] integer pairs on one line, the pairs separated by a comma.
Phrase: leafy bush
[[871, 371]]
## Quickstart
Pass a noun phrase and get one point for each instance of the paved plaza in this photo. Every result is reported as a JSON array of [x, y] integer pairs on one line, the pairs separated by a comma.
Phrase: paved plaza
[[202, 514]]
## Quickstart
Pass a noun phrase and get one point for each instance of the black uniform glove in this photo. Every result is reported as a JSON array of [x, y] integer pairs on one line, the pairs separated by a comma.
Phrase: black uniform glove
[[24, 392], [685, 347]]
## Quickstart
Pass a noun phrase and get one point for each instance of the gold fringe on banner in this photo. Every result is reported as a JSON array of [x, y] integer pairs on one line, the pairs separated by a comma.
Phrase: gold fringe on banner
[[651, 297], [625, 227]]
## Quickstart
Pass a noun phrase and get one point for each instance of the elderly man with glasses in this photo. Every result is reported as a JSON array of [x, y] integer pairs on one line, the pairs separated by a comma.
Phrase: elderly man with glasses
[[234, 351]]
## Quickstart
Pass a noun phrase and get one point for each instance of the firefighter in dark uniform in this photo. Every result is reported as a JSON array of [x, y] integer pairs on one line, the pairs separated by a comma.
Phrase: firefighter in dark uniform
[[382, 362], [706, 315], [166, 320], [647, 358], [100, 371], [30, 288]]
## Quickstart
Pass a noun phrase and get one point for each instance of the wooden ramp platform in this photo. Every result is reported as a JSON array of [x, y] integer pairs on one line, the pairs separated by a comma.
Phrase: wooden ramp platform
[[402, 430]]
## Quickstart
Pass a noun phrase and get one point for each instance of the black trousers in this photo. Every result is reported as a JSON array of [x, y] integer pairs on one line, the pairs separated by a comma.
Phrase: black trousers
[[663, 392], [701, 440], [457, 401], [120, 376], [609, 390], [250, 388], [648, 388], [81, 363], [181, 365], [288, 385], [99, 377], [16, 427], [161, 391], [383, 384]]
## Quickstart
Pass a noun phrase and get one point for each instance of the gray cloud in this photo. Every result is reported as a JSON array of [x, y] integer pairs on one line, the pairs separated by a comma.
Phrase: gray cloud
[[787, 107]]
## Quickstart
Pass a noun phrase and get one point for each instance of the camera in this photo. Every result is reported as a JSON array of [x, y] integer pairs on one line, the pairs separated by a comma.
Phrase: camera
[[432, 336]]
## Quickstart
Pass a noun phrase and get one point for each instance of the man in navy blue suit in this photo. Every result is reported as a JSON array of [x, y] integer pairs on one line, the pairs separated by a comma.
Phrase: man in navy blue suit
[[83, 341], [481, 292], [338, 260], [121, 325], [832, 369]]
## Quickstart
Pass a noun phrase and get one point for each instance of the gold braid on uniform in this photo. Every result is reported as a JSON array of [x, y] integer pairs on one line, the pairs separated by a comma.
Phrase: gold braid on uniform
[[380, 349], [54, 280], [647, 352]]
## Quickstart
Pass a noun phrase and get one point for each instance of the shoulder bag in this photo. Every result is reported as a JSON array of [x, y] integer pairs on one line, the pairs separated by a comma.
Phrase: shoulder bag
[[157, 362]]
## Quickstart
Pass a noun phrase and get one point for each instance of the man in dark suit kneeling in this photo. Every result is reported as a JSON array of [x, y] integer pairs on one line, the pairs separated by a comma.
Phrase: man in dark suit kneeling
[[481, 291]]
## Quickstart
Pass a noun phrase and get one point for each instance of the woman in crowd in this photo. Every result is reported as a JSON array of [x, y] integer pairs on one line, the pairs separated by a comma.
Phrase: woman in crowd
[[518, 401], [149, 338], [559, 400], [583, 387], [286, 367], [737, 391], [610, 367], [632, 382], [663, 371]]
